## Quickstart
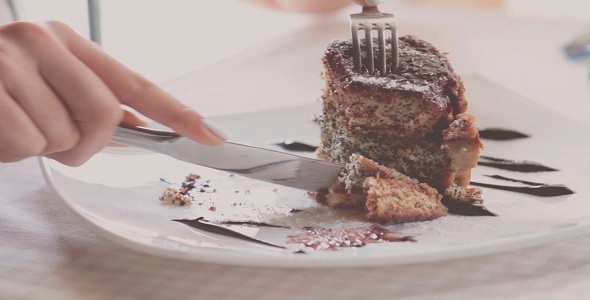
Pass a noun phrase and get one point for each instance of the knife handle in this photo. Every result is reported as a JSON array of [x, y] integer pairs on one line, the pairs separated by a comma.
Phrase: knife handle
[[144, 137], [149, 132]]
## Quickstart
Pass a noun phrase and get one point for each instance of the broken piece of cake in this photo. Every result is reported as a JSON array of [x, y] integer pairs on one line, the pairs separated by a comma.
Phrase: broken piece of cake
[[409, 130], [173, 195], [385, 194]]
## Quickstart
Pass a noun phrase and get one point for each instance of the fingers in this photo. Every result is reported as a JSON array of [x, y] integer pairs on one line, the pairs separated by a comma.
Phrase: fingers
[[61, 96], [92, 105], [89, 102], [32, 119], [42, 106], [136, 91], [74, 110], [19, 137]]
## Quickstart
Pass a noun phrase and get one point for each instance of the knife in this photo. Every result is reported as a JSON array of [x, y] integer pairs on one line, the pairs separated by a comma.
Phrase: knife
[[253, 162]]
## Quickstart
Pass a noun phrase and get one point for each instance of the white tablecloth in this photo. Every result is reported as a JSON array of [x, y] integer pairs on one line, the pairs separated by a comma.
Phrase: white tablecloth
[[47, 254]]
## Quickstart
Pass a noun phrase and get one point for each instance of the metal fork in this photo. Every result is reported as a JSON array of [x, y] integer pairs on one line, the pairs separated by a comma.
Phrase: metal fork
[[369, 20]]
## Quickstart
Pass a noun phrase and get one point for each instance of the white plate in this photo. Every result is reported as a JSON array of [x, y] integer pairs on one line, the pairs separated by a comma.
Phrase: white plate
[[117, 191]]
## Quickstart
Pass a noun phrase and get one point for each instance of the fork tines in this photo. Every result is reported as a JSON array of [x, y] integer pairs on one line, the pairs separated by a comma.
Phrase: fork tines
[[371, 19]]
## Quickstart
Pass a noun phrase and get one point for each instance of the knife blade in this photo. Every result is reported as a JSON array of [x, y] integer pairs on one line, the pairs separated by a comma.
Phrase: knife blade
[[253, 162]]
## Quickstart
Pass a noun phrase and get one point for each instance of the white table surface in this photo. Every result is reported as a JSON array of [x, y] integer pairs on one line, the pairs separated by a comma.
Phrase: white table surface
[[47, 254]]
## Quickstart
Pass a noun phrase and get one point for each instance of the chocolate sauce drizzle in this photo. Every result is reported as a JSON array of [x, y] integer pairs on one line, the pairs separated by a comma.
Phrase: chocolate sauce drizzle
[[205, 225], [251, 223], [500, 177], [292, 145], [466, 208], [525, 166], [499, 134], [532, 188]]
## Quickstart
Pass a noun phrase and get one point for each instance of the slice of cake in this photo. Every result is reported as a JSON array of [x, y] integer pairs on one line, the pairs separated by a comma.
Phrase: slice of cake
[[348, 192], [413, 121], [391, 200]]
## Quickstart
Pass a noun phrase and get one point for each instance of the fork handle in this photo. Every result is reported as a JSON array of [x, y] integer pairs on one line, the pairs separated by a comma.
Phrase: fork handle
[[367, 3]]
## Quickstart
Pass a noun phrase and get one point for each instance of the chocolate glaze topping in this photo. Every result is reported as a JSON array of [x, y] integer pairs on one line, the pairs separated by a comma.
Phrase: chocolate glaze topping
[[525, 166], [499, 134], [423, 70]]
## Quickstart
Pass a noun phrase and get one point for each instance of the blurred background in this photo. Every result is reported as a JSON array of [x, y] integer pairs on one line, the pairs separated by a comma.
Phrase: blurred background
[[165, 39]]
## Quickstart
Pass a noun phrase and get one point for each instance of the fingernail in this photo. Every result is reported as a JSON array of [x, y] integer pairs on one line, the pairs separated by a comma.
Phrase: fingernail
[[216, 129]]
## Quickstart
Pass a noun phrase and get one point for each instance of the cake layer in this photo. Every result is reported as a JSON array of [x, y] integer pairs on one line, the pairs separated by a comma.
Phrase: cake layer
[[438, 162], [424, 91], [405, 115]]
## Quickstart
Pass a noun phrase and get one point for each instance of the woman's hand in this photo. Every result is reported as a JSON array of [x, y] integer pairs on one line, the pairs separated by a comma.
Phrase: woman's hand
[[61, 96]]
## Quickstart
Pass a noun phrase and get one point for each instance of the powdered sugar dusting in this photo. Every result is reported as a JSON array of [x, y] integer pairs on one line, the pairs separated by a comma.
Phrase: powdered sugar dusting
[[390, 84]]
